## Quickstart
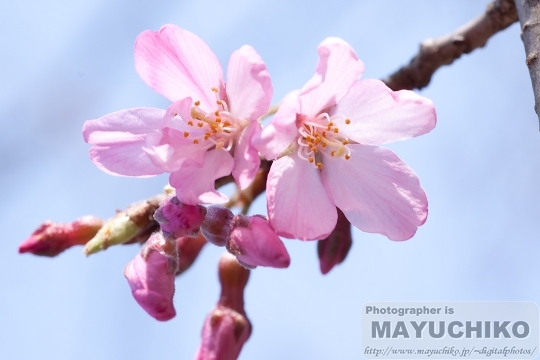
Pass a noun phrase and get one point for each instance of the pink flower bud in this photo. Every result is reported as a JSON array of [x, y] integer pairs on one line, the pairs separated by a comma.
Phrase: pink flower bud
[[334, 249], [217, 225], [255, 243], [151, 277], [177, 219], [188, 249], [224, 333], [227, 327], [51, 239]]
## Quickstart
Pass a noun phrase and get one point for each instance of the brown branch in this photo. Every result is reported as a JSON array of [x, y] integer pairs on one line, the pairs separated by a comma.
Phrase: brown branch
[[435, 53], [529, 18]]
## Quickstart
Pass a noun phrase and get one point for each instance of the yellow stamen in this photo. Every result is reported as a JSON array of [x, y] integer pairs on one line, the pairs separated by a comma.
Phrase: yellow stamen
[[197, 103], [186, 134], [347, 121], [218, 120], [215, 89], [196, 141], [216, 113], [310, 159], [345, 142], [319, 165], [336, 130], [347, 157], [190, 123], [200, 124]]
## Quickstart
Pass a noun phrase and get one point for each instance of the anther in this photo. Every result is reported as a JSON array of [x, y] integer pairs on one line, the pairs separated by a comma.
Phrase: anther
[[333, 153], [215, 89], [186, 134], [319, 165], [347, 121], [175, 114], [336, 130], [190, 123], [200, 124], [197, 103], [218, 120], [216, 113], [347, 157], [219, 102], [310, 159], [226, 123], [196, 141], [345, 142]]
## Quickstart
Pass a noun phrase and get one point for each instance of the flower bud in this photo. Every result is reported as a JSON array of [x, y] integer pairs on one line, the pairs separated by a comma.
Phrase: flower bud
[[177, 219], [334, 249], [217, 225], [151, 277], [51, 239], [227, 327], [255, 243], [188, 249], [125, 226]]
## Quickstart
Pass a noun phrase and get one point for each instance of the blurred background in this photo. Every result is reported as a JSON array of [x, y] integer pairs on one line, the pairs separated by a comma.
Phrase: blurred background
[[64, 62]]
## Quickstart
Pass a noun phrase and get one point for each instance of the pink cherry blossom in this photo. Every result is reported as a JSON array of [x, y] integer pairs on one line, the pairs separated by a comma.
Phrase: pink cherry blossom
[[324, 138], [205, 134]]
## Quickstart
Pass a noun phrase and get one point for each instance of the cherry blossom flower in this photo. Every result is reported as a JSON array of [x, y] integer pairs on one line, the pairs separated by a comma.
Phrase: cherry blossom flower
[[324, 138], [205, 134]]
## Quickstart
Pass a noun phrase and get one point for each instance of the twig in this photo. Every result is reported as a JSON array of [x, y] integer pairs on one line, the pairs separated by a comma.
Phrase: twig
[[435, 53], [529, 18]]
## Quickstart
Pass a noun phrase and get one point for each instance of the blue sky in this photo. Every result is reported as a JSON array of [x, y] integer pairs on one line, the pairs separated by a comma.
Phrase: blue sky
[[64, 62]]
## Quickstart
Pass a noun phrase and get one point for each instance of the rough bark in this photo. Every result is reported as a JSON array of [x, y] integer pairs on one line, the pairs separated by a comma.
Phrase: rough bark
[[529, 18], [435, 53]]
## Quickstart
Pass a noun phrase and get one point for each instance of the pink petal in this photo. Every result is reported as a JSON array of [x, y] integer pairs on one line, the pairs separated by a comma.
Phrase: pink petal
[[249, 88], [246, 157], [178, 64], [380, 116], [118, 140], [195, 185], [281, 131], [377, 192], [170, 148], [298, 206], [337, 70]]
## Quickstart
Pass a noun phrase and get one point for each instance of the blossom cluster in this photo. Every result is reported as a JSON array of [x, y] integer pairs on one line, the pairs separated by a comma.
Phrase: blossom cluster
[[327, 170]]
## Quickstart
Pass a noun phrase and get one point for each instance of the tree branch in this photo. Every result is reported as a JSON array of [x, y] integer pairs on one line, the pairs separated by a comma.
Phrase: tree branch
[[529, 18], [435, 53]]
